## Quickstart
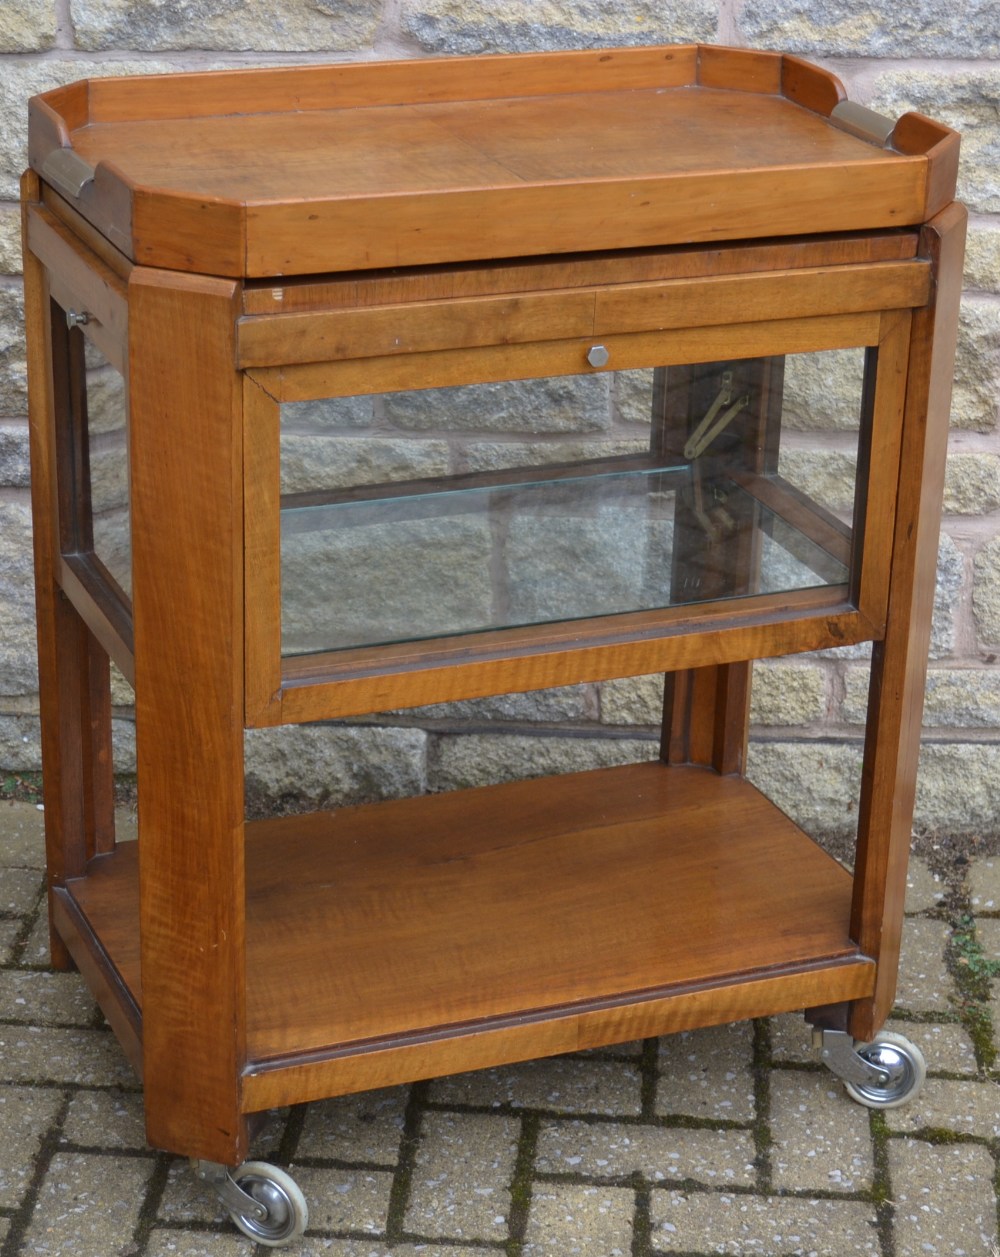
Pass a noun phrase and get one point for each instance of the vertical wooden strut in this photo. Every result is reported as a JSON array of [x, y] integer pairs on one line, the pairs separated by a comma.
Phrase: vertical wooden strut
[[187, 531], [899, 662]]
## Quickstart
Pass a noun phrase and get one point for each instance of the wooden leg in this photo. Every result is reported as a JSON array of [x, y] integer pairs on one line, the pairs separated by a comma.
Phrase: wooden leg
[[892, 740], [187, 536]]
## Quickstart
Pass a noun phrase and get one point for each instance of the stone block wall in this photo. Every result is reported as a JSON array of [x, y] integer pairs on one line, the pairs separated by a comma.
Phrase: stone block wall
[[940, 58]]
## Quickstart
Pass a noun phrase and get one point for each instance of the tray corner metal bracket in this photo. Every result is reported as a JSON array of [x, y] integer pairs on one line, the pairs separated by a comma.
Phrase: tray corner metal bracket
[[67, 172]]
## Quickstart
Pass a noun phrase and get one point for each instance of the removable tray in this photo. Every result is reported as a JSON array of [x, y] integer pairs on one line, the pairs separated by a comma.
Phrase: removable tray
[[275, 172]]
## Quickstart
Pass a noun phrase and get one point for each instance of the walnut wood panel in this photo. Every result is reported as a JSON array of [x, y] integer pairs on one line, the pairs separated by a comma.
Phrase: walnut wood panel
[[584, 270], [187, 529], [307, 171], [81, 281], [455, 323], [297, 1081], [262, 553], [352, 683], [92, 956], [892, 740], [357, 377], [451, 910]]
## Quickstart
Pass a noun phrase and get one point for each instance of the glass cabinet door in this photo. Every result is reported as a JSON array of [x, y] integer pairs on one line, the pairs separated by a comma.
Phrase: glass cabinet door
[[512, 515]]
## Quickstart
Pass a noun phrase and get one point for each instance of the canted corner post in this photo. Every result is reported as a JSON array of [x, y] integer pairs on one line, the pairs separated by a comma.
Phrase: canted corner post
[[187, 524], [899, 661]]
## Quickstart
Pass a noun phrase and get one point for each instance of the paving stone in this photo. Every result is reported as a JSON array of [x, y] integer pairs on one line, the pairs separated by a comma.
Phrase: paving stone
[[924, 889], [947, 1048], [345, 1200], [773, 1225], [19, 889], [185, 1200], [560, 1084], [707, 1073], [943, 1198], [171, 1243], [791, 1040], [106, 1119], [988, 936], [924, 983], [967, 1108], [461, 1176], [45, 998], [25, 1116], [659, 1153], [379, 1248], [821, 1140], [36, 947], [364, 1127], [9, 931], [91, 1058], [87, 1204], [579, 1222], [984, 885]]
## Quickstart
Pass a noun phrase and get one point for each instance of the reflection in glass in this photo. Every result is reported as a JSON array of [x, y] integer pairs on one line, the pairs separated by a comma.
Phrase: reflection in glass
[[456, 510]]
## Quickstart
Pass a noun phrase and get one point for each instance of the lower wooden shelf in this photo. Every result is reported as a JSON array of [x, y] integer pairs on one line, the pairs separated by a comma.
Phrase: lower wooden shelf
[[422, 936]]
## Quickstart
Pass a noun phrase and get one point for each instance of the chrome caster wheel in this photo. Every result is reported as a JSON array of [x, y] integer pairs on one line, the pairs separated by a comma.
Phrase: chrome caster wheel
[[263, 1201], [902, 1070]]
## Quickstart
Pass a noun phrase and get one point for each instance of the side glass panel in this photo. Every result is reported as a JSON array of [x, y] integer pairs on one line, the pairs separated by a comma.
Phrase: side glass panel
[[434, 512], [94, 514], [107, 445]]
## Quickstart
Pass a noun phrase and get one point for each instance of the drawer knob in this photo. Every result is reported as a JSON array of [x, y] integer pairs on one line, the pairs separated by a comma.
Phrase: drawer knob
[[598, 356]]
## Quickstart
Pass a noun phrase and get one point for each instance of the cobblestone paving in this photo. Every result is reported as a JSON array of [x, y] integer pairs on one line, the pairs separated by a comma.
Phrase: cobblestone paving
[[729, 1140]]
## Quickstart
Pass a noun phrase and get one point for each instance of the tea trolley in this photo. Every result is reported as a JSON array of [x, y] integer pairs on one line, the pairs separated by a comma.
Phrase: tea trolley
[[361, 387]]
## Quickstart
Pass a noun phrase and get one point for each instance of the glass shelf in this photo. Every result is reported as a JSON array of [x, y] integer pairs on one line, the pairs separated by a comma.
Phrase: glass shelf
[[406, 562]]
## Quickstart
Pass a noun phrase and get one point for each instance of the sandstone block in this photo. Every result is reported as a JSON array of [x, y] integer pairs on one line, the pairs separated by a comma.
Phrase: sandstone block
[[823, 391], [972, 483], [13, 353], [827, 475], [844, 28], [816, 784], [948, 586], [18, 667], [478, 759], [965, 100], [568, 702], [500, 455], [327, 414], [986, 592], [571, 403], [632, 700], [787, 694], [956, 789], [315, 461], [471, 26], [10, 241], [332, 766], [27, 25], [15, 471], [237, 25], [977, 366], [982, 257]]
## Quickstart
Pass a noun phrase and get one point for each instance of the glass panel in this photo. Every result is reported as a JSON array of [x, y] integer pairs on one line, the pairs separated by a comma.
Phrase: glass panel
[[107, 448], [423, 514]]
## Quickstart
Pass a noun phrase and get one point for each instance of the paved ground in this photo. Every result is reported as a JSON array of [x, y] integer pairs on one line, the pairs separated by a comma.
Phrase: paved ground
[[723, 1141]]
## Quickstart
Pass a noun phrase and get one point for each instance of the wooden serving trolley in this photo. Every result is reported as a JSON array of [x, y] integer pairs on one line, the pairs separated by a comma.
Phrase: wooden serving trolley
[[279, 321]]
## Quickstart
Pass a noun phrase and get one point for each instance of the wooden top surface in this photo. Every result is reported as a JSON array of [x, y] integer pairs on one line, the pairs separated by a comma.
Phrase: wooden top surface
[[266, 172]]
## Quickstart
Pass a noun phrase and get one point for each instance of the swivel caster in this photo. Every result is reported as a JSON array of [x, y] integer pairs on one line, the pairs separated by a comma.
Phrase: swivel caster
[[263, 1201], [883, 1074]]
